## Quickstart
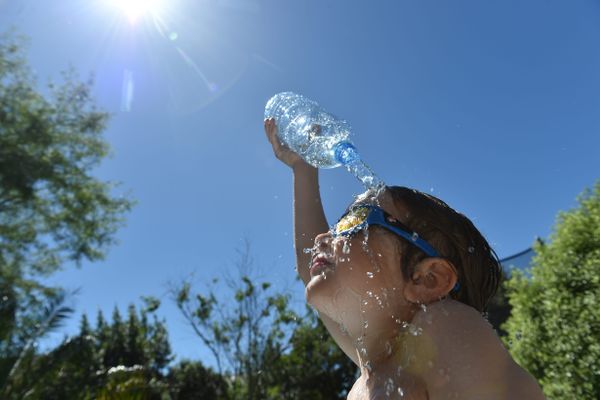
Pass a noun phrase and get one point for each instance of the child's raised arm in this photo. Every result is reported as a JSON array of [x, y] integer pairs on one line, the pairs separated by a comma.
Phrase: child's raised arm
[[309, 221], [309, 218]]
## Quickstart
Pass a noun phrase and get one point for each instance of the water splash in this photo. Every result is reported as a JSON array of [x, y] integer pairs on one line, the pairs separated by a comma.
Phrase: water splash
[[365, 175]]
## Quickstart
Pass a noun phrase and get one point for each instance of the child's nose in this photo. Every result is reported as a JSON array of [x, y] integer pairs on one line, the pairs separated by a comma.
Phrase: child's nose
[[322, 239]]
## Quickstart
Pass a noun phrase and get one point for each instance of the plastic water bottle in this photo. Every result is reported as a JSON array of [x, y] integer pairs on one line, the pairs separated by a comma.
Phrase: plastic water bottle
[[320, 138]]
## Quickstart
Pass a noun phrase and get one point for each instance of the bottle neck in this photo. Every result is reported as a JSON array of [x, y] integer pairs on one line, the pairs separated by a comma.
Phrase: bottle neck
[[345, 153]]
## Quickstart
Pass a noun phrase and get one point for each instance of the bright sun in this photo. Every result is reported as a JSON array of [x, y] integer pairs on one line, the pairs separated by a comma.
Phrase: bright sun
[[134, 9]]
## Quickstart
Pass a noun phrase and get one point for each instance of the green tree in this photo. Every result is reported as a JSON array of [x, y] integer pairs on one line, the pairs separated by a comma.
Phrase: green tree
[[52, 209], [554, 329], [191, 380], [247, 338], [20, 369], [112, 360], [315, 368]]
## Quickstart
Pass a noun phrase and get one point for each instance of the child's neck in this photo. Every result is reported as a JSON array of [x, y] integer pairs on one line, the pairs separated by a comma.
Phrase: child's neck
[[383, 357]]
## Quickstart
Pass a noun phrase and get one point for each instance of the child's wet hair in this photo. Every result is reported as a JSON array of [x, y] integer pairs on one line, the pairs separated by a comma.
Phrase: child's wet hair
[[457, 240]]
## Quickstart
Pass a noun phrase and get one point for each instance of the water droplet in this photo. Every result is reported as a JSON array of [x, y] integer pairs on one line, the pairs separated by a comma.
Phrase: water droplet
[[370, 275], [323, 275], [346, 247], [307, 250], [471, 249], [413, 330], [365, 242], [384, 294], [344, 329], [415, 236], [423, 307], [401, 392], [389, 387], [388, 348], [366, 324]]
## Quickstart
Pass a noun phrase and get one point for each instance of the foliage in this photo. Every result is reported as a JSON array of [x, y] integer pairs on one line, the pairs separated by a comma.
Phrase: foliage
[[17, 367], [52, 209], [191, 380], [121, 359], [246, 339], [315, 368], [554, 330]]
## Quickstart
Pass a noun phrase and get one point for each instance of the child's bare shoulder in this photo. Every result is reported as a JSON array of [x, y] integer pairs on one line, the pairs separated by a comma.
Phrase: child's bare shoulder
[[467, 356], [449, 320]]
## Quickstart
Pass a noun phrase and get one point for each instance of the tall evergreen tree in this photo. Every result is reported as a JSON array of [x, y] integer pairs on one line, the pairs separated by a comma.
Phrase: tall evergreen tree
[[98, 362]]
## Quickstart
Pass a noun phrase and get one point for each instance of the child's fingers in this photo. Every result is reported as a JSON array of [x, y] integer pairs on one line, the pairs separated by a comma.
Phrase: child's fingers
[[280, 149], [271, 131]]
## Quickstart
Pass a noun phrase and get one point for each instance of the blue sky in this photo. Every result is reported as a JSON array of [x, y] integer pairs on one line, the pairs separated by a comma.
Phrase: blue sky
[[492, 106]]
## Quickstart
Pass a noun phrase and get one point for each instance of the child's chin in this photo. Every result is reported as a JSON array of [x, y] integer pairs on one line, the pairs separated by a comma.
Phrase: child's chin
[[323, 306], [319, 294]]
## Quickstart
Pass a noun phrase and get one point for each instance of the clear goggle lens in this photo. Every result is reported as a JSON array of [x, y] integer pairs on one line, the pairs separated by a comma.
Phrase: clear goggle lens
[[351, 220]]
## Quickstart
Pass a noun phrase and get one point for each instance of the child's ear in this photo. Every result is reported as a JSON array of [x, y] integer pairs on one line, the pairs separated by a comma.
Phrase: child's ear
[[432, 279]]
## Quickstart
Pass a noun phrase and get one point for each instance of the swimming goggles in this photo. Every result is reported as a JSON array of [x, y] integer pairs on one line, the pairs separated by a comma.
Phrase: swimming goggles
[[359, 217]]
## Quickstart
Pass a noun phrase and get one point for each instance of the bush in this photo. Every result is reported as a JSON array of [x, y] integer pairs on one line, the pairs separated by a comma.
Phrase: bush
[[554, 329]]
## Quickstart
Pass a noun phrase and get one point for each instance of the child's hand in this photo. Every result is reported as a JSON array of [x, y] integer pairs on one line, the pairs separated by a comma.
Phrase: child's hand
[[281, 151]]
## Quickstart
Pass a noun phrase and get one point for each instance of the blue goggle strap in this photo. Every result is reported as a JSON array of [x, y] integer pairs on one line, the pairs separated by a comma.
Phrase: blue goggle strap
[[376, 217]]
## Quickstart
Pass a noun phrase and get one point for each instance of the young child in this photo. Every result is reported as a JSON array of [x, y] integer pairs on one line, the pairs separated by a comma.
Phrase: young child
[[400, 282]]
